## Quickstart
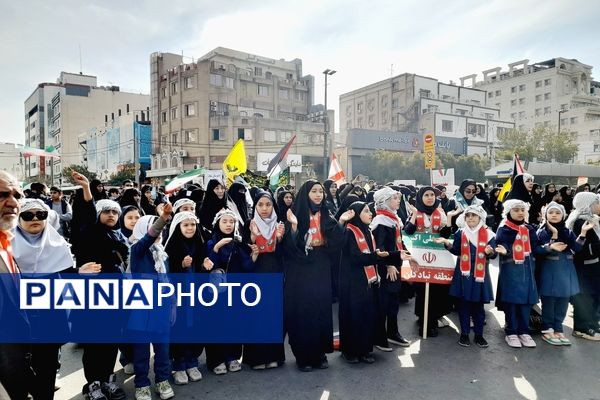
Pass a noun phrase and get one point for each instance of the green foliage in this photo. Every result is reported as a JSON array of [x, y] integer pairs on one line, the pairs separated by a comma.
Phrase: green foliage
[[542, 143], [127, 171], [66, 173], [385, 166]]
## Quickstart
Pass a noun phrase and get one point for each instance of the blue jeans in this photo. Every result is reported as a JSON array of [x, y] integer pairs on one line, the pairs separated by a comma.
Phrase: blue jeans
[[141, 363], [517, 318], [554, 311], [185, 356], [468, 309]]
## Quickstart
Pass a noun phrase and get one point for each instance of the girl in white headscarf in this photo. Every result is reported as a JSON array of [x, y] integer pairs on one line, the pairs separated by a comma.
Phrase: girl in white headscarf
[[587, 264]]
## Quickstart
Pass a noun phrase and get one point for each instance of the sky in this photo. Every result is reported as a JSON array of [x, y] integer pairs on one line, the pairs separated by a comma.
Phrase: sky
[[364, 41]]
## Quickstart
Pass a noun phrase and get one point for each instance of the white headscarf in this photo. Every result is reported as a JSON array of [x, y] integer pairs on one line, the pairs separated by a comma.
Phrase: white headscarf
[[158, 251], [45, 252], [382, 199], [266, 226], [179, 218], [473, 233], [181, 202], [107, 205], [582, 209]]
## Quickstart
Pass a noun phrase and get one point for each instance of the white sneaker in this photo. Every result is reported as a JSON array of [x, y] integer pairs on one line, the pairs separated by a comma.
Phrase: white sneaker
[[526, 341], [220, 369], [143, 393], [513, 341], [164, 389], [234, 366], [384, 348], [194, 374], [443, 323], [180, 378], [128, 369]]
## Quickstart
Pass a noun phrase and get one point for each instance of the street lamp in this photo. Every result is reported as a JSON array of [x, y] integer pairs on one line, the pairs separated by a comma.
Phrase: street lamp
[[327, 72], [562, 110]]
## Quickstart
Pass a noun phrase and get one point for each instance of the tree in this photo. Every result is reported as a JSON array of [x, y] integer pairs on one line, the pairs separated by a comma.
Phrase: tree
[[126, 171], [386, 166], [66, 173], [544, 144]]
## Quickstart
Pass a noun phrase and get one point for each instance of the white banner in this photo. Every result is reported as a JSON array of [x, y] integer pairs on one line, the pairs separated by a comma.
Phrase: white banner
[[212, 174], [444, 177], [294, 161]]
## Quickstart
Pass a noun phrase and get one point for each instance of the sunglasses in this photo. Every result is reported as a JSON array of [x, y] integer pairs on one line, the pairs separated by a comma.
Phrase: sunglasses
[[30, 215], [469, 191]]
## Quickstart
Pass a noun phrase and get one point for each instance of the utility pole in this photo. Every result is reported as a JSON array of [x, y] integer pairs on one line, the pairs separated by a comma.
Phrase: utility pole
[[327, 72]]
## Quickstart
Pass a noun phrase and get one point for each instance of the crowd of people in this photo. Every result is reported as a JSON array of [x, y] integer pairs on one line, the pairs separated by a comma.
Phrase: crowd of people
[[333, 244]]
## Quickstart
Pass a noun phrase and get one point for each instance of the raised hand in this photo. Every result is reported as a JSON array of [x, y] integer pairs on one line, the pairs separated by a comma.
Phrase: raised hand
[[254, 253], [166, 211], [347, 216], [80, 179], [187, 262], [221, 243], [291, 217]]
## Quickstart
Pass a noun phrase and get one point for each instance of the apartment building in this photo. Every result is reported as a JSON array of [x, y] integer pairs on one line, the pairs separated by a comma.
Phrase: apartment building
[[201, 108], [410, 104], [11, 160], [555, 93], [57, 113]]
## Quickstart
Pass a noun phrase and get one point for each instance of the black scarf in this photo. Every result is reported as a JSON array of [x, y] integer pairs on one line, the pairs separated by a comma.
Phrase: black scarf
[[421, 206], [211, 204], [358, 207], [302, 209], [519, 191]]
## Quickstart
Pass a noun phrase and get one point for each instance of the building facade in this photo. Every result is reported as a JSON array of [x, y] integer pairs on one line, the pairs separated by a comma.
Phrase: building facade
[[200, 109], [126, 140], [11, 160], [56, 114], [555, 93], [411, 104]]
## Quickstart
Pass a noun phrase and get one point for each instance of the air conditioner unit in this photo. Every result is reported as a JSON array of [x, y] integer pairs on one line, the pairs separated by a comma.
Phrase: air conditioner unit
[[183, 153]]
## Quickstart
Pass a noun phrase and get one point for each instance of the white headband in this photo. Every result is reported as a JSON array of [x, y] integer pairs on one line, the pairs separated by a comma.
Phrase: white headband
[[181, 202]]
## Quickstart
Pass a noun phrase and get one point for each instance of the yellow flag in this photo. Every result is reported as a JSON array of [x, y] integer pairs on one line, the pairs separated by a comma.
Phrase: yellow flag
[[235, 163], [505, 189]]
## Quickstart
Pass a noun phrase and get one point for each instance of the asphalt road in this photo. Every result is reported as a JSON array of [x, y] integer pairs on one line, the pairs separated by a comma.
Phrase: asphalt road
[[436, 368]]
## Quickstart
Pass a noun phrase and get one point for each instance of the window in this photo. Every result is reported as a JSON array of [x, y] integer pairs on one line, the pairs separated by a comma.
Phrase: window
[[563, 106], [257, 71], [174, 113], [596, 148], [163, 92], [573, 120], [173, 138], [513, 89], [188, 83], [501, 130], [359, 107], [489, 116], [538, 97], [538, 84], [446, 125], [189, 136], [547, 82], [241, 133], [546, 110], [521, 114], [431, 108], [522, 100], [424, 93], [217, 134], [263, 90], [513, 102], [174, 87], [216, 80], [394, 103], [490, 95], [270, 136], [538, 112], [395, 86], [546, 96], [563, 121], [371, 121], [289, 76], [228, 83], [359, 123], [285, 136], [476, 130], [513, 116], [299, 96], [163, 117], [189, 110], [498, 93], [349, 124], [522, 88], [284, 93], [163, 141]]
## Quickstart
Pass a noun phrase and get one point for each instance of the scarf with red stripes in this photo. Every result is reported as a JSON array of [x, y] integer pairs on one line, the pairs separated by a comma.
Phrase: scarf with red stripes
[[521, 246]]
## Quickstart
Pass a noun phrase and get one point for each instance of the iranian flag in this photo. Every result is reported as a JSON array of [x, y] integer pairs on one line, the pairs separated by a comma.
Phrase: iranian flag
[[50, 151], [182, 179]]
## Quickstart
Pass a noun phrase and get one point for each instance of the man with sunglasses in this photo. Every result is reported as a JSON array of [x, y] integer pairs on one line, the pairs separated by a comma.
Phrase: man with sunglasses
[[62, 209], [15, 370]]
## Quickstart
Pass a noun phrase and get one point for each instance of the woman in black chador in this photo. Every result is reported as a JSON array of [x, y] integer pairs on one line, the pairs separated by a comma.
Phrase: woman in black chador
[[311, 234], [359, 305]]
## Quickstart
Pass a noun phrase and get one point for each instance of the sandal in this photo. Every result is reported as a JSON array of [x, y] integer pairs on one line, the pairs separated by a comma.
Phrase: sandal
[[563, 340], [220, 369], [551, 339]]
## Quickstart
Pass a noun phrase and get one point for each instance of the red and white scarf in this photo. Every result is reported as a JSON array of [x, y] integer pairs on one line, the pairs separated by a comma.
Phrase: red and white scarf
[[370, 270], [480, 256], [315, 236], [521, 246], [436, 221], [266, 245], [396, 223]]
